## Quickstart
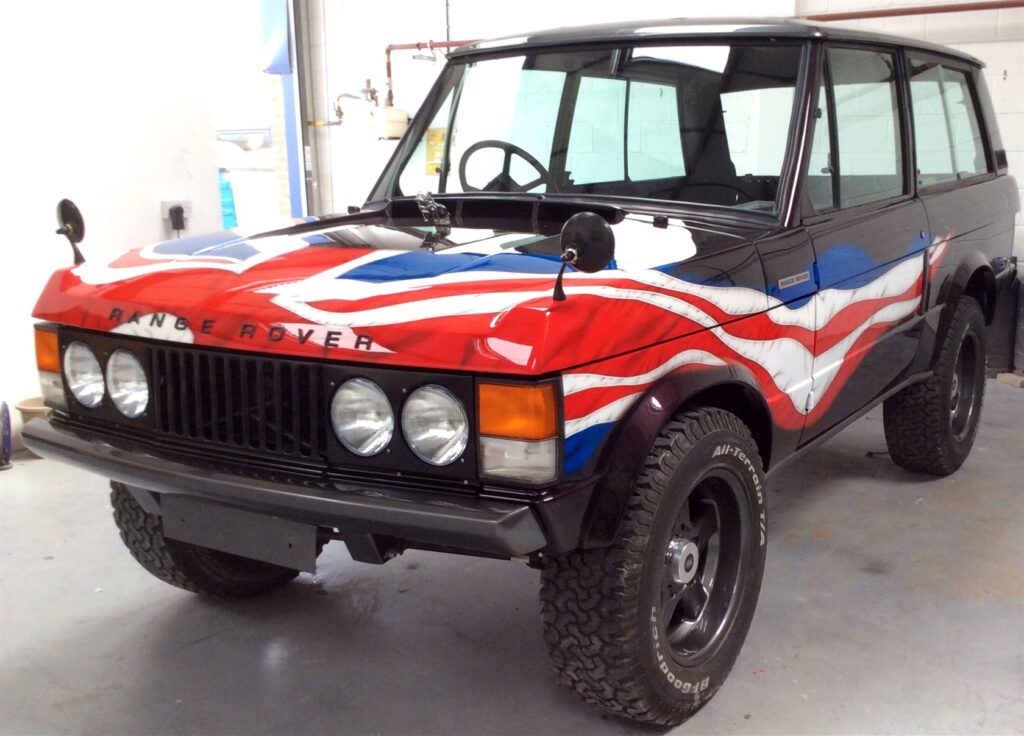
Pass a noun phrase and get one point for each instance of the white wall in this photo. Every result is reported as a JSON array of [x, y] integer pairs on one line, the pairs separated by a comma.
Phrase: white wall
[[994, 36], [105, 103]]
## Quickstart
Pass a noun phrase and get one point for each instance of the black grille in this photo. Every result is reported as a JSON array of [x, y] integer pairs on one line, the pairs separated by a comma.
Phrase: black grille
[[248, 403]]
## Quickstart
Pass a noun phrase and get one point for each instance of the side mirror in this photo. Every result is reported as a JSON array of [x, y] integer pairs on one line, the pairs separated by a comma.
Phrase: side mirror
[[72, 226], [588, 245]]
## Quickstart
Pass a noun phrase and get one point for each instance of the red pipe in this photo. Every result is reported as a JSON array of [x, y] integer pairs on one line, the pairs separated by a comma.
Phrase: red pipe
[[918, 10], [418, 46]]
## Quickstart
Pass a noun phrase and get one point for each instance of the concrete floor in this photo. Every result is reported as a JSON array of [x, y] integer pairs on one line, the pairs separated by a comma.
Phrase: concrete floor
[[891, 603]]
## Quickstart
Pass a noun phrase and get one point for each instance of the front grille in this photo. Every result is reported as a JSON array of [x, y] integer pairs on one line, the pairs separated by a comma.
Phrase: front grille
[[248, 403]]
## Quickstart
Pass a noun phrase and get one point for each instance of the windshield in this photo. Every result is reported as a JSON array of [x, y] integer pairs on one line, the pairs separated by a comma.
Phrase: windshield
[[689, 123]]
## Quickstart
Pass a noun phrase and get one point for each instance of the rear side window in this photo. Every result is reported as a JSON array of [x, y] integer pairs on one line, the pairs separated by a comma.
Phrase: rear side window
[[647, 114], [598, 126], [947, 136], [753, 119], [653, 141], [868, 125]]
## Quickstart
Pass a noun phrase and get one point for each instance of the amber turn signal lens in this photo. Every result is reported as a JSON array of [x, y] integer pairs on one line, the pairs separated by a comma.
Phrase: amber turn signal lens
[[47, 354], [517, 412]]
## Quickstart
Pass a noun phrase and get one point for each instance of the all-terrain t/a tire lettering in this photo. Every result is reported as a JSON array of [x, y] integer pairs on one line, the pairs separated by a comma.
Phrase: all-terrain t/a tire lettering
[[616, 620]]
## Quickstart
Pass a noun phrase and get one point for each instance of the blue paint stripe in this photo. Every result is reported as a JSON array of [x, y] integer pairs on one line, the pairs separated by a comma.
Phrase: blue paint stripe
[[423, 264], [581, 447]]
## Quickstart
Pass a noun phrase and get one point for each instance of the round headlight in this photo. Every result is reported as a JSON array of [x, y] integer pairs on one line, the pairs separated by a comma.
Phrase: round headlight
[[435, 425], [84, 375], [127, 384], [362, 417]]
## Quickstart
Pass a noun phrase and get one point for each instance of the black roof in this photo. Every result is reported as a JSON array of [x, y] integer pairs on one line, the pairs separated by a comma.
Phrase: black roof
[[680, 28]]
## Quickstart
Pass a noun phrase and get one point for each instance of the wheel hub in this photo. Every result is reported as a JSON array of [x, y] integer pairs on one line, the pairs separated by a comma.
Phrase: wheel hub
[[683, 560]]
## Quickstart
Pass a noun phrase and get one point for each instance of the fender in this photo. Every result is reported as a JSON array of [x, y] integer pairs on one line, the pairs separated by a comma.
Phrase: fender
[[973, 276], [623, 456], [974, 271]]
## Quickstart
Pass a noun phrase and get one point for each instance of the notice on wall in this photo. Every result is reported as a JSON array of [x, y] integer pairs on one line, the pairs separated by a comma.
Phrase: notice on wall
[[435, 150]]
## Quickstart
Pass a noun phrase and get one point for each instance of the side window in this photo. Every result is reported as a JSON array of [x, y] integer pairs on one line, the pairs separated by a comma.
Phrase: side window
[[968, 149], [595, 151], [946, 131], [932, 141], [868, 125], [654, 144], [819, 167]]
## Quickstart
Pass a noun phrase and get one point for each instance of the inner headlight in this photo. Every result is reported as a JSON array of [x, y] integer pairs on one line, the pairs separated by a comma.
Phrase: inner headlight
[[362, 417], [127, 384], [435, 425], [84, 375]]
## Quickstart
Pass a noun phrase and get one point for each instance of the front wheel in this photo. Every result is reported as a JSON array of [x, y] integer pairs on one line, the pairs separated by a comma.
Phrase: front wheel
[[650, 627]]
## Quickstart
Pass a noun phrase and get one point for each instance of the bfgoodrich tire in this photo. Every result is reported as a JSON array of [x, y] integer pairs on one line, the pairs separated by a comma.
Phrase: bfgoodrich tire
[[196, 569], [650, 627], [930, 426]]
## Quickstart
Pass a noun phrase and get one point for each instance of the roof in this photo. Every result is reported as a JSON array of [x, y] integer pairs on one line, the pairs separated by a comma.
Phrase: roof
[[679, 28]]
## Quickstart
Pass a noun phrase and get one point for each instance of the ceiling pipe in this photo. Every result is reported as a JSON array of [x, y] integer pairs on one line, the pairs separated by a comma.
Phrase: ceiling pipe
[[848, 15], [916, 10], [418, 46]]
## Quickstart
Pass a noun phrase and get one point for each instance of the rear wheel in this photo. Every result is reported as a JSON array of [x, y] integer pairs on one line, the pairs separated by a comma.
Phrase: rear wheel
[[930, 426], [650, 627], [188, 566]]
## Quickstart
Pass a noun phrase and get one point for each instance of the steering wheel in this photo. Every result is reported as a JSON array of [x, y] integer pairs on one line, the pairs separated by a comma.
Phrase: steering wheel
[[722, 184], [504, 182]]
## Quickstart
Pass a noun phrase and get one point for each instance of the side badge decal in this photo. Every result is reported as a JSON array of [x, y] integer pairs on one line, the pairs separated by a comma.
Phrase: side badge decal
[[799, 278]]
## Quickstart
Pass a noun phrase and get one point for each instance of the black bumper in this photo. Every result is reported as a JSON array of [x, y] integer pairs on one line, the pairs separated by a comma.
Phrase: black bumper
[[469, 523]]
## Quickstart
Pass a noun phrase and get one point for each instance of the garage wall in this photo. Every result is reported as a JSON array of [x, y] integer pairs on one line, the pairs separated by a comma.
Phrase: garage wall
[[994, 36], [107, 104]]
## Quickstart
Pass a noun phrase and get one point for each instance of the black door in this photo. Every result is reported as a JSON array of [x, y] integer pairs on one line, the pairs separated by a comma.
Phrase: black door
[[869, 235]]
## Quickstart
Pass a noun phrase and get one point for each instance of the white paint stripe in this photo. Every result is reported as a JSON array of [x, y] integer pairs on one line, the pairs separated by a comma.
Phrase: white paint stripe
[[828, 363], [575, 382]]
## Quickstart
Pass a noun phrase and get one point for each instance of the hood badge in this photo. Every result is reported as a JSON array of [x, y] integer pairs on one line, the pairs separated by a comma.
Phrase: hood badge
[[435, 213]]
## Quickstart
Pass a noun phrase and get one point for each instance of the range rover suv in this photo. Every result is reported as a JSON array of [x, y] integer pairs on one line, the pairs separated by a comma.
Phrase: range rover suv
[[611, 278]]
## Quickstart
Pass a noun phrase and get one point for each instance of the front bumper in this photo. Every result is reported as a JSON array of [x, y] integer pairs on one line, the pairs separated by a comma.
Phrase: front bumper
[[491, 527]]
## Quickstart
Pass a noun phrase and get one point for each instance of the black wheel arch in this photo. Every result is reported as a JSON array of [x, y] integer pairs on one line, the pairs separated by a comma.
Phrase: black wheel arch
[[973, 277], [731, 387]]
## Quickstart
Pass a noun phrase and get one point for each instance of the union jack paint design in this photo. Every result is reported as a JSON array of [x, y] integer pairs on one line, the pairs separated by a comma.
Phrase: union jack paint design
[[800, 356], [481, 305]]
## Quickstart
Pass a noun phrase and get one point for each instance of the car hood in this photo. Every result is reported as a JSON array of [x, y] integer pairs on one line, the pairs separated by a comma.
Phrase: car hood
[[404, 294]]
